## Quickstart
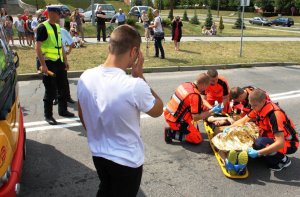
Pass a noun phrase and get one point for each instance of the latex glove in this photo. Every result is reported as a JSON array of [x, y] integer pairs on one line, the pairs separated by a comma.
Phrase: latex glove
[[226, 129], [217, 109], [252, 153]]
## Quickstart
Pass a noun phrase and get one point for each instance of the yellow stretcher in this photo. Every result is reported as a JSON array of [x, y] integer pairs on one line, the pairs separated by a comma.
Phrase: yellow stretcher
[[210, 135]]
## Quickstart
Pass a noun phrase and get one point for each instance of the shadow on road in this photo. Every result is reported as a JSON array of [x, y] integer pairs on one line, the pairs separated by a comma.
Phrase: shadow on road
[[260, 174], [49, 172]]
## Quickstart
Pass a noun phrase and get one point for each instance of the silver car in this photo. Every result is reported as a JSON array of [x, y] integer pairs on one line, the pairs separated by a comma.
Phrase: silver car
[[108, 9]]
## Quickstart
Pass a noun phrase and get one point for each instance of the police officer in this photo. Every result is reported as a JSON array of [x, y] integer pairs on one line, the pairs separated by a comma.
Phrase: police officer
[[52, 58]]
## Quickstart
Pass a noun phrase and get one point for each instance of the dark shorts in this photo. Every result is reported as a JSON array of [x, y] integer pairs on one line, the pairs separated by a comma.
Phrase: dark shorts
[[29, 33], [20, 34]]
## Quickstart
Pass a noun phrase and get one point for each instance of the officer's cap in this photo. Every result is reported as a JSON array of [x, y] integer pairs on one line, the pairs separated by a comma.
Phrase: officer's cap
[[54, 8]]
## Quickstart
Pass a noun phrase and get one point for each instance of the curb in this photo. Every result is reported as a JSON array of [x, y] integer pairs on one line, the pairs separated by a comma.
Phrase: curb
[[76, 74]]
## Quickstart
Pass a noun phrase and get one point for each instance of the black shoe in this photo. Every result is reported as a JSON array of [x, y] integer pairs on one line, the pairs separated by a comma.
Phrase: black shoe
[[162, 57], [155, 56], [66, 114], [51, 120], [55, 101], [70, 100], [282, 164], [168, 138]]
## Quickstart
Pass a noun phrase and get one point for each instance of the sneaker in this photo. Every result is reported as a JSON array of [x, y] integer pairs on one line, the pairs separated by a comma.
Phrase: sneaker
[[232, 157], [281, 165], [168, 138], [242, 160]]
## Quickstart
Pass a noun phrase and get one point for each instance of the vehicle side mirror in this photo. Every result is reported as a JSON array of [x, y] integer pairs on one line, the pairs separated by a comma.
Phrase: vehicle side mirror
[[17, 62]]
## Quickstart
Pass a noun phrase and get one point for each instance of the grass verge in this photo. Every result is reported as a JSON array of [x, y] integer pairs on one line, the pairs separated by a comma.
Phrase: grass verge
[[192, 53]]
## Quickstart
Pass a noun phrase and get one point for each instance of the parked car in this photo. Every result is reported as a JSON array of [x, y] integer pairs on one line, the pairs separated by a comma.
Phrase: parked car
[[80, 10], [260, 21], [65, 9], [283, 21], [12, 131], [108, 9], [136, 11]]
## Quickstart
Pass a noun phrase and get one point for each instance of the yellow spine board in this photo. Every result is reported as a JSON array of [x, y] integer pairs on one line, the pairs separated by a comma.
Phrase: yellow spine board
[[210, 135]]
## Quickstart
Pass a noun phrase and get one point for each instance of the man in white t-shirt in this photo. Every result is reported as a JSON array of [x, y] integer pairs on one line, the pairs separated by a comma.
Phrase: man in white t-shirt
[[109, 106], [157, 28]]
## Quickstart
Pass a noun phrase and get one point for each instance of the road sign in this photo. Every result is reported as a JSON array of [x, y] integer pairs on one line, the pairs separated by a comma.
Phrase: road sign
[[245, 3]]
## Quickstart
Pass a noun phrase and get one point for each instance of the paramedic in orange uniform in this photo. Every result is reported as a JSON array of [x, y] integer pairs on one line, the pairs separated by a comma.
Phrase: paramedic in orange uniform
[[184, 107], [240, 97], [218, 90], [278, 136]]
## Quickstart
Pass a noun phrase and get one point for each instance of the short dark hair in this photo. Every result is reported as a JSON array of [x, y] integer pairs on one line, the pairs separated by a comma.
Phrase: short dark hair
[[123, 39], [257, 95], [235, 92], [213, 73]]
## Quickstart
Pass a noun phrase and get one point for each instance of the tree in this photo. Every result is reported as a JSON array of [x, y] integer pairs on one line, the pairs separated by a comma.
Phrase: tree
[[150, 15], [209, 19], [265, 5], [185, 17], [283, 5], [297, 3], [221, 25], [148, 3], [171, 10], [238, 23], [194, 19]]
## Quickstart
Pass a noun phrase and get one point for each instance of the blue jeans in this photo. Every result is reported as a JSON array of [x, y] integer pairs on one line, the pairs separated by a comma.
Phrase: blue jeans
[[274, 158]]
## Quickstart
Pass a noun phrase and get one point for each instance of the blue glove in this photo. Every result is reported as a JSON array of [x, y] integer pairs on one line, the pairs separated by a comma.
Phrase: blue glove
[[252, 153], [226, 129], [217, 109]]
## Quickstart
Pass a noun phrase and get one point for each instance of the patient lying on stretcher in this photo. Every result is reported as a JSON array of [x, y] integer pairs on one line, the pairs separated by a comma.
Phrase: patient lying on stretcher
[[232, 146]]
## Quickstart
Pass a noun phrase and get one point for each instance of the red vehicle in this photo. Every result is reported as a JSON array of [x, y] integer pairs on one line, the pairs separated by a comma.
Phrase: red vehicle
[[12, 131]]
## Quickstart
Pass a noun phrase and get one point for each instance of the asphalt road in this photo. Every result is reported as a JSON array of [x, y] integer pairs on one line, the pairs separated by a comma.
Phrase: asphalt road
[[59, 163]]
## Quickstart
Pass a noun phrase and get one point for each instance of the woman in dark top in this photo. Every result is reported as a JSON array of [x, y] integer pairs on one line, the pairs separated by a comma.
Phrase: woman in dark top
[[176, 31]]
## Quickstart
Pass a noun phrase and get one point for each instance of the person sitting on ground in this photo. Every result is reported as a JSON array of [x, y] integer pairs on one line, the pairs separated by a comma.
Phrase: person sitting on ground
[[213, 29], [278, 136], [184, 108]]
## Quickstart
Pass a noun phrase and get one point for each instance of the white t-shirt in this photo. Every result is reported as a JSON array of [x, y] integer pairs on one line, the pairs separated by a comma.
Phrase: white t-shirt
[[158, 27], [111, 102], [66, 38]]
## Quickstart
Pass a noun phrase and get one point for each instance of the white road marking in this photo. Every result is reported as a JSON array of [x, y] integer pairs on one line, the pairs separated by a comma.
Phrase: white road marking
[[38, 123], [75, 122], [285, 93]]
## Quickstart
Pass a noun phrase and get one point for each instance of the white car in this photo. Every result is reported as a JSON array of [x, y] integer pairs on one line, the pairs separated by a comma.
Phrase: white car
[[108, 9]]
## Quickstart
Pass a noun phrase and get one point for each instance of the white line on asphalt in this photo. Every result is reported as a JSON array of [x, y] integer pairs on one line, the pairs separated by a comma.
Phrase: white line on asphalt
[[30, 124], [50, 127], [285, 97], [285, 93]]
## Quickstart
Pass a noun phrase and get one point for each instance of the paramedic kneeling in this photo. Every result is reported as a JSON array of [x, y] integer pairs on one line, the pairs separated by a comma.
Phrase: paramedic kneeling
[[109, 106], [277, 137], [185, 107]]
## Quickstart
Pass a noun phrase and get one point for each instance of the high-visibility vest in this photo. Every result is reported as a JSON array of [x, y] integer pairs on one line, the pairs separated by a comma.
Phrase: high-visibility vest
[[176, 106], [52, 47], [290, 134]]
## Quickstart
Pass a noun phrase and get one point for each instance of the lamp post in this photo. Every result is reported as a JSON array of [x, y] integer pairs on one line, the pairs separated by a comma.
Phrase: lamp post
[[93, 12]]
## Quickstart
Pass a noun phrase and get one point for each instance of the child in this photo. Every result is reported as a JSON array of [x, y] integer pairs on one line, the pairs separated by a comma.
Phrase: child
[[19, 24], [29, 31], [77, 40], [8, 26]]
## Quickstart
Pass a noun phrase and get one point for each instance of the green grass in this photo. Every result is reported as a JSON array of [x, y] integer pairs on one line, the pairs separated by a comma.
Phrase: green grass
[[192, 53]]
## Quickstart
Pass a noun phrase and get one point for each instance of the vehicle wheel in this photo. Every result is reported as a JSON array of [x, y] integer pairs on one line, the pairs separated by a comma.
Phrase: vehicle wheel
[[24, 146]]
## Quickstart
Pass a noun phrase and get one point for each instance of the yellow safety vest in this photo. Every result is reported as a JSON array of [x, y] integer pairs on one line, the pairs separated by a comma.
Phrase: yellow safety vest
[[52, 47]]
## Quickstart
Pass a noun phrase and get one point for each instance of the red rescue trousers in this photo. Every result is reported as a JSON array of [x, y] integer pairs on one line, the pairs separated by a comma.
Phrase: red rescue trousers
[[193, 137]]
